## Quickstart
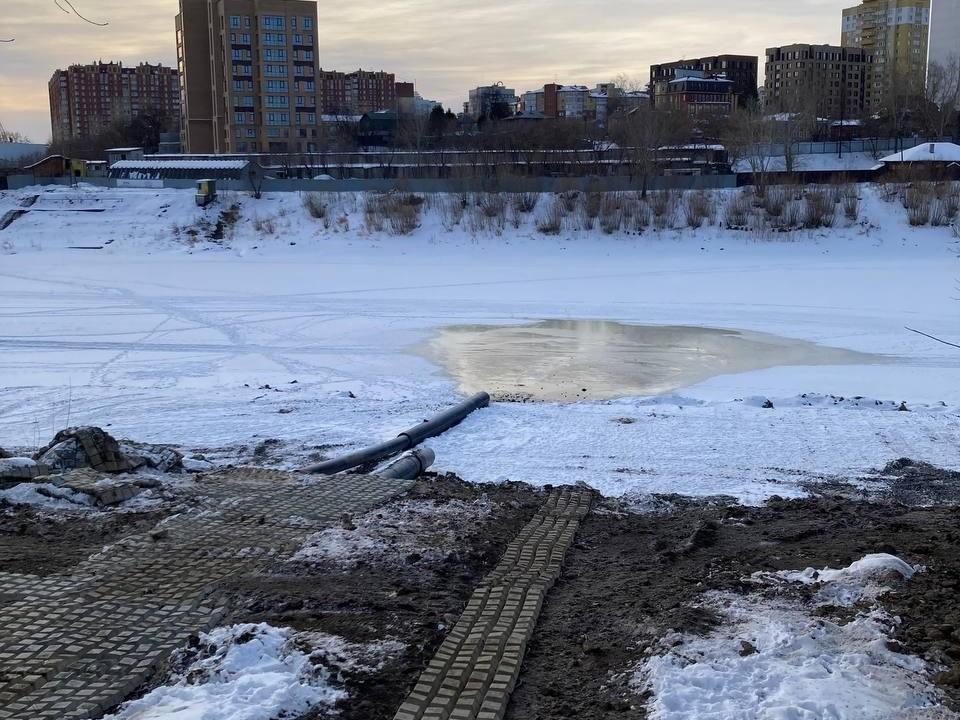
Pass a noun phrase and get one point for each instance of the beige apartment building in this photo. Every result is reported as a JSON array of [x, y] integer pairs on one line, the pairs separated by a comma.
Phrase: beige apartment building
[[896, 33], [824, 80], [248, 74]]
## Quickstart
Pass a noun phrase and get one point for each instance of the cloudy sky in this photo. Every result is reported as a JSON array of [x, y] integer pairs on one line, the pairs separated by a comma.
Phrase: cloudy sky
[[445, 46]]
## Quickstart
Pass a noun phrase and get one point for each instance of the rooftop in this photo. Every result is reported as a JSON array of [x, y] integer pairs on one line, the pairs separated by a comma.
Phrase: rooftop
[[927, 152]]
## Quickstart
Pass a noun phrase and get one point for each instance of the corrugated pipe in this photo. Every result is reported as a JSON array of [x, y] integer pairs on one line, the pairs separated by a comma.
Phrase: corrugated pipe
[[410, 466], [405, 440]]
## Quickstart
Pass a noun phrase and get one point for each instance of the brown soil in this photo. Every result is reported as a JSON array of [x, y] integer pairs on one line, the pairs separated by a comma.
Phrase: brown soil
[[632, 578], [36, 543]]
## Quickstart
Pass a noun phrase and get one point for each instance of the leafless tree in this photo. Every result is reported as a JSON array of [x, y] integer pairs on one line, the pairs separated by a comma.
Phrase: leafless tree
[[749, 137], [942, 97], [642, 133]]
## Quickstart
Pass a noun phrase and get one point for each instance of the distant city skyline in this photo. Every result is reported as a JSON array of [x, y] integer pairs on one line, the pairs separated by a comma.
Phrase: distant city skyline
[[446, 47]]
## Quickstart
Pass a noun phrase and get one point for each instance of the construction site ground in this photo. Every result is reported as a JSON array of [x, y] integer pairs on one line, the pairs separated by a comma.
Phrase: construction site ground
[[437, 555]]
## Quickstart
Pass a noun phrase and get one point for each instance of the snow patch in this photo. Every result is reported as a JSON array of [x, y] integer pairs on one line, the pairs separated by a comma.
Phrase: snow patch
[[46, 496], [257, 672], [772, 659], [863, 580]]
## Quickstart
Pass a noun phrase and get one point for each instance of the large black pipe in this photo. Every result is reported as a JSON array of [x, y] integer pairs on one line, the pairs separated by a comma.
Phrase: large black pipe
[[405, 440], [410, 466]]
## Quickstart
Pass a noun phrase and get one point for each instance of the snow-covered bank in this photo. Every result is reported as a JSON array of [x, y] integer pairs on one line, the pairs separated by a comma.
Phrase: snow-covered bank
[[774, 658], [170, 338]]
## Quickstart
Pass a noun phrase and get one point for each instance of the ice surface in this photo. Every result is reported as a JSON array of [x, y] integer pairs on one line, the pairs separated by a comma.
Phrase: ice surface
[[173, 340]]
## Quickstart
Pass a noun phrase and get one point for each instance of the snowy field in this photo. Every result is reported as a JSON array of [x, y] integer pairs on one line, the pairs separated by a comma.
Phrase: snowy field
[[165, 336]]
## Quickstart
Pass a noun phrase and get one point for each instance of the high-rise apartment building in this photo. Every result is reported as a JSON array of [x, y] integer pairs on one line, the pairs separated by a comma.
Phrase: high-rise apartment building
[[85, 100], [824, 80], [248, 71], [896, 33]]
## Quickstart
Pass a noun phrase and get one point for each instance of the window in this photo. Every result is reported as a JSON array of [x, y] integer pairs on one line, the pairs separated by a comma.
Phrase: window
[[293, 23], [234, 21], [308, 23], [251, 133], [239, 118]]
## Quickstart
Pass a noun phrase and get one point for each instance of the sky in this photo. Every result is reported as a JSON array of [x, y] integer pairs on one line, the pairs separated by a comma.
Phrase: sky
[[444, 46]]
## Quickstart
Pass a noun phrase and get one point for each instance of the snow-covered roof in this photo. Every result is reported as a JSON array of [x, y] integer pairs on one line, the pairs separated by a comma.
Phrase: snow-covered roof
[[927, 152], [122, 150], [151, 165], [342, 118], [700, 79], [693, 146]]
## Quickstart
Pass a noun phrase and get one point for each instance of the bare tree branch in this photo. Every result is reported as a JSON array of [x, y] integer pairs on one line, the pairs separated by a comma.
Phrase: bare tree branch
[[944, 342], [78, 14], [69, 10]]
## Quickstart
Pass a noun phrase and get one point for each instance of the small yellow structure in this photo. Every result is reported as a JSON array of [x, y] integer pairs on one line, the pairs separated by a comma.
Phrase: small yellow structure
[[206, 192]]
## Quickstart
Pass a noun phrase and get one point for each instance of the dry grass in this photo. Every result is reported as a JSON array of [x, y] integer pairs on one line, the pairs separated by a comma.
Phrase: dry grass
[[451, 209], [850, 201], [698, 208], [775, 200], [737, 211], [316, 206], [663, 207], [611, 213], [592, 203], [819, 209], [265, 226], [525, 202], [550, 219], [571, 199], [400, 212]]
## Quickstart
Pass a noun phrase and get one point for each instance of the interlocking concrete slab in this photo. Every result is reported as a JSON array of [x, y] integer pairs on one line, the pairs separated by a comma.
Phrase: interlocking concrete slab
[[71, 647], [474, 672]]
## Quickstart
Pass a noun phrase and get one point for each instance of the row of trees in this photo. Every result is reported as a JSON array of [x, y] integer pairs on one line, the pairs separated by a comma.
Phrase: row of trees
[[142, 130]]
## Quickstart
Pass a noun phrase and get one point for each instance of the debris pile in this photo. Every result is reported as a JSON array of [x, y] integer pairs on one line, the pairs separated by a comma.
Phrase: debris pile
[[90, 463]]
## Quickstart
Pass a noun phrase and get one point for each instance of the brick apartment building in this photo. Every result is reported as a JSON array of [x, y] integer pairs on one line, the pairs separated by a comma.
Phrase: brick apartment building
[[249, 75], [359, 92], [695, 92], [85, 100], [827, 80], [741, 70]]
